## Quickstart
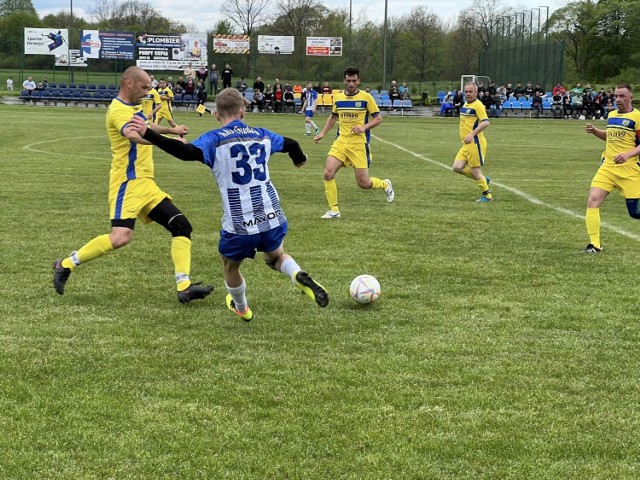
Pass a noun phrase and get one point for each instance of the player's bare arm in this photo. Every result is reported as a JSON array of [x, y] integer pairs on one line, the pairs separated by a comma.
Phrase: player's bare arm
[[598, 132], [331, 121]]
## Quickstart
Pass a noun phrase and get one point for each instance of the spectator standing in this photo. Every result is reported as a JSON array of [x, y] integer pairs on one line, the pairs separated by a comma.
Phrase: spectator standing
[[190, 72], [10, 84], [297, 88], [227, 73], [213, 79], [326, 88], [154, 82], [317, 88], [29, 85]]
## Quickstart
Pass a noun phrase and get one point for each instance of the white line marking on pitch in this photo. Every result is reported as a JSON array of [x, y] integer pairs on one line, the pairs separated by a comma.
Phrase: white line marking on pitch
[[31, 146], [519, 193]]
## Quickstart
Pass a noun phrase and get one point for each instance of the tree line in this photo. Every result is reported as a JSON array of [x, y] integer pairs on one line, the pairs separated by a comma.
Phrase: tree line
[[600, 37]]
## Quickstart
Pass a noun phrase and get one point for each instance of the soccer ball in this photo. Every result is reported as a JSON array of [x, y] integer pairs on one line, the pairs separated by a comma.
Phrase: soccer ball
[[365, 289]]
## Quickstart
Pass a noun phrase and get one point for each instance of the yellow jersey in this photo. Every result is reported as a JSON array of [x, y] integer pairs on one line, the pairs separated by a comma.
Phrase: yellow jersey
[[166, 92], [353, 110], [129, 160], [622, 135], [150, 102], [471, 114]]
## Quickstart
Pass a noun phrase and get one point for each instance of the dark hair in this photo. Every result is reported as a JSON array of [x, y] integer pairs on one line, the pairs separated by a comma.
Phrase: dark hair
[[625, 85], [350, 71]]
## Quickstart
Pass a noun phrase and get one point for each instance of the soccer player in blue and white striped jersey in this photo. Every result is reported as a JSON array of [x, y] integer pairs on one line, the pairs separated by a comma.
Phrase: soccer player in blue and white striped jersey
[[252, 218]]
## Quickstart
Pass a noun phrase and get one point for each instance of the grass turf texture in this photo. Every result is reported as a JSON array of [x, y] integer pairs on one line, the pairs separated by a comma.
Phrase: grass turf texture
[[497, 350]]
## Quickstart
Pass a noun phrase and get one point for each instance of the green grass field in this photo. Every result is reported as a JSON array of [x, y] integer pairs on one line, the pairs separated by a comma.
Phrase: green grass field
[[497, 350]]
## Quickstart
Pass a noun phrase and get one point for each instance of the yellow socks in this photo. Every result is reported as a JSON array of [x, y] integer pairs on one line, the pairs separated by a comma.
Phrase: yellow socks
[[593, 226], [484, 187], [181, 256], [376, 183], [96, 248], [331, 191]]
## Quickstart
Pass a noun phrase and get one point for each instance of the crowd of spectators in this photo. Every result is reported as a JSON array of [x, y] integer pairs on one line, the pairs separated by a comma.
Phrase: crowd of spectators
[[577, 102]]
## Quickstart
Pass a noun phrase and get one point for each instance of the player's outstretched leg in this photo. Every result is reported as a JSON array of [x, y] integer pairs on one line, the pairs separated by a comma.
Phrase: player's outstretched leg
[[312, 289], [60, 276], [195, 291], [246, 314]]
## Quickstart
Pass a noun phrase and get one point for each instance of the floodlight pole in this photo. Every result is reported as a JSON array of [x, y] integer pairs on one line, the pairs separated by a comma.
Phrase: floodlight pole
[[69, 38], [384, 47]]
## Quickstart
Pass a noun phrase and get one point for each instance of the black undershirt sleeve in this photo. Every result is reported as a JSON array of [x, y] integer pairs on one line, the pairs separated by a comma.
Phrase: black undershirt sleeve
[[182, 151], [293, 149]]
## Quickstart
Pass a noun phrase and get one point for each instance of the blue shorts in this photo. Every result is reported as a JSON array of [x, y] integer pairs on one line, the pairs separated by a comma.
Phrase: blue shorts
[[238, 247], [308, 113]]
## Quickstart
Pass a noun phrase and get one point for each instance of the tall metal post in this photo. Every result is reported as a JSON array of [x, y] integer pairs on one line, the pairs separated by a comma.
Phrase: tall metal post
[[384, 46]]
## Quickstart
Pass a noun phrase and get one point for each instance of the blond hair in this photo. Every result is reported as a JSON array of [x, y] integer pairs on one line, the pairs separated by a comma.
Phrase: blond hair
[[229, 102]]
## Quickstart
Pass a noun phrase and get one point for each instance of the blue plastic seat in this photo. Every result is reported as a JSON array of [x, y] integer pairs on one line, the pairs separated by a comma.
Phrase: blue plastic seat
[[62, 86], [407, 104]]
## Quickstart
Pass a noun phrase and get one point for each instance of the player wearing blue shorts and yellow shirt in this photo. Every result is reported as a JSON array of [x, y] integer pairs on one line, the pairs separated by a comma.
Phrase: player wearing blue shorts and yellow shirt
[[619, 168], [252, 218], [133, 192], [470, 158], [358, 114]]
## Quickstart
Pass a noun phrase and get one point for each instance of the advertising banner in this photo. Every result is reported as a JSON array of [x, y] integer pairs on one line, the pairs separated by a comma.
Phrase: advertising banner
[[170, 51], [72, 59], [107, 45], [46, 41], [275, 45], [324, 46], [236, 44]]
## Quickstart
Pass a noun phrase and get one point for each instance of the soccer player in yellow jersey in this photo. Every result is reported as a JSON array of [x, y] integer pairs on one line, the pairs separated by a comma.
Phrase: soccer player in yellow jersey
[[619, 168], [133, 192], [151, 104], [470, 158], [357, 113], [166, 98]]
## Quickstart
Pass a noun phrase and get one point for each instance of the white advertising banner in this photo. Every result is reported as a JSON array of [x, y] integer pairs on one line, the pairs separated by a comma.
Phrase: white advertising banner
[[46, 41], [275, 45]]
